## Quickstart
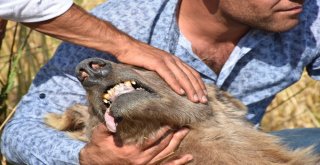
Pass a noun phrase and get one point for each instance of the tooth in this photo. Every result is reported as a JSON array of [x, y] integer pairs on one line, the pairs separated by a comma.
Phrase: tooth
[[133, 82], [106, 96], [127, 83], [116, 87], [111, 91], [106, 101]]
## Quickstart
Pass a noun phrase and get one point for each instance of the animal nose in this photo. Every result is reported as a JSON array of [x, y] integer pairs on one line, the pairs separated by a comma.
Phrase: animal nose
[[90, 71]]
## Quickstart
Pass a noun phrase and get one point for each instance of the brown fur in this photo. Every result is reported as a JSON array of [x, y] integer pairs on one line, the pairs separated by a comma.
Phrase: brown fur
[[219, 134]]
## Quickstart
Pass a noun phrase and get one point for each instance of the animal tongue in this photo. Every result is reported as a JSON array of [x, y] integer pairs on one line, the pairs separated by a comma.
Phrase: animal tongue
[[111, 125], [119, 90]]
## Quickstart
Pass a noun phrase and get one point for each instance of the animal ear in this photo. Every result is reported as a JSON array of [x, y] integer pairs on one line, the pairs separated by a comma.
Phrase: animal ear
[[233, 101]]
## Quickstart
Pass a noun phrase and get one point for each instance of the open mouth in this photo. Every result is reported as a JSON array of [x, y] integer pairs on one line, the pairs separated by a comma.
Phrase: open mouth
[[112, 92]]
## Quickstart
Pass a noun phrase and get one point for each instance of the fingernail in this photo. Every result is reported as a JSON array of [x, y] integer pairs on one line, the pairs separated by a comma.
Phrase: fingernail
[[195, 98], [182, 91], [184, 131], [204, 99], [165, 127]]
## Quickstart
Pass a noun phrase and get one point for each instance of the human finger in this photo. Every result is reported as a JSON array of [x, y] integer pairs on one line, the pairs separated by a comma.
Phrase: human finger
[[172, 146], [170, 78], [154, 145], [181, 160], [196, 83], [198, 77], [154, 59], [101, 130], [154, 140], [183, 79]]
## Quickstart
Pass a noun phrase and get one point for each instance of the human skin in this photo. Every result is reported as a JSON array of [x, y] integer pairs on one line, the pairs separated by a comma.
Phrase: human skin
[[221, 24], [75, 26], [102, 149]]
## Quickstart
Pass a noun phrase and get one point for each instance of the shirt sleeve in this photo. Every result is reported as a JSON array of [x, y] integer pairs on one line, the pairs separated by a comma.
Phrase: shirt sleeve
[[313, 69], [26, 139], [33, 10]]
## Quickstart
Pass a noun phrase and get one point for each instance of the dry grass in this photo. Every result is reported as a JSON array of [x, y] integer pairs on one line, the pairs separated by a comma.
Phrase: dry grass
[[22, 54], [35, 50], [295, 107]]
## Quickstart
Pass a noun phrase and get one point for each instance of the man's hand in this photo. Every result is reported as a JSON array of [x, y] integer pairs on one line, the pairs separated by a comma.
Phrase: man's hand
[[180, 77], [79, 27], [103, 150]]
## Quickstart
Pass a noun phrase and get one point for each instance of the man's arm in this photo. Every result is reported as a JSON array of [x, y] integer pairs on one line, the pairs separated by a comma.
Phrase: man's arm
[[27, 140], [103, 142], [79, 27], [31, 142]]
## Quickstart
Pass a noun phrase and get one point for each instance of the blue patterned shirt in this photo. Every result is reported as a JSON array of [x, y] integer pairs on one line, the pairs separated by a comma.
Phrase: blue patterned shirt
[[261, 65]]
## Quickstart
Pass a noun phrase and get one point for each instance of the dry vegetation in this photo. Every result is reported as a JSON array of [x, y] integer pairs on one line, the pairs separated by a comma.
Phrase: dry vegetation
[[296, 107], [24, 51]]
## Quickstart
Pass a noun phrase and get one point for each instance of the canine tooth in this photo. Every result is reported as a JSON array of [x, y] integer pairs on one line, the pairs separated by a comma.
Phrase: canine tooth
[[133, 82], [127, 83], [106, 101]]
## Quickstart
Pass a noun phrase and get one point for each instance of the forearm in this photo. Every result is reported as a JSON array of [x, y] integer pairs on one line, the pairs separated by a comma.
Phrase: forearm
[[79, 27]]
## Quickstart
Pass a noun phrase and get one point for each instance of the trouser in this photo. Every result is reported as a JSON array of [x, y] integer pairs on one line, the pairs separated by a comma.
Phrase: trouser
[[300, 138]]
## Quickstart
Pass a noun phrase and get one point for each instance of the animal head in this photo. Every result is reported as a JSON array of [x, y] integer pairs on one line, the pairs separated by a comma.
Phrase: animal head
[[133, 102]]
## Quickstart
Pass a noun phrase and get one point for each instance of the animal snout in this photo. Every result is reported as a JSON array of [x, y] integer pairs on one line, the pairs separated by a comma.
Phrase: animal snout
[[90, 71]]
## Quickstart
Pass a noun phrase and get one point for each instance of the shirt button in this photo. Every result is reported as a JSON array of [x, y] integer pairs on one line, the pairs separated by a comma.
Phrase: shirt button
[[42, 96]]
